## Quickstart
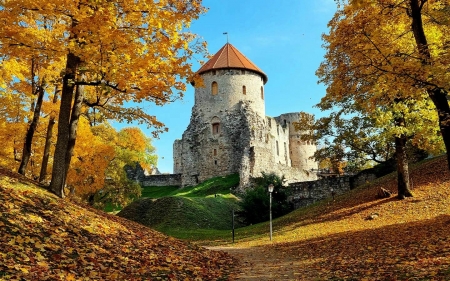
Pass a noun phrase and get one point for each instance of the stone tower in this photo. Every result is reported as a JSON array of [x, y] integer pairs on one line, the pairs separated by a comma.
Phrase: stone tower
[[301, 152], [229, 132]]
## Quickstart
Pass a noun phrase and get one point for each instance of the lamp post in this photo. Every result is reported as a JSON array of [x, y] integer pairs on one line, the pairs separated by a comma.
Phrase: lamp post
[[270, 187]]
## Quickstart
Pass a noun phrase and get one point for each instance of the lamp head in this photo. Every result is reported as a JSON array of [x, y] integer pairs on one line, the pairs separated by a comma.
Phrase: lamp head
[[270, 187]]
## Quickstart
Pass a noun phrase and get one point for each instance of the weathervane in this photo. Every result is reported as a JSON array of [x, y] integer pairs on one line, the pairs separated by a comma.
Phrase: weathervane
[[226, 33]]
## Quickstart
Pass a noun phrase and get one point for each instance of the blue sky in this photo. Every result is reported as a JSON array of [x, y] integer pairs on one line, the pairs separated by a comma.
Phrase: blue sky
[[283, 38]]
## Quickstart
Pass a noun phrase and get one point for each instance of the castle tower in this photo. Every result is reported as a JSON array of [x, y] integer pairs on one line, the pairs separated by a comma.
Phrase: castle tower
[[229, 133], [229, 78], [300, 151], [219, 131]]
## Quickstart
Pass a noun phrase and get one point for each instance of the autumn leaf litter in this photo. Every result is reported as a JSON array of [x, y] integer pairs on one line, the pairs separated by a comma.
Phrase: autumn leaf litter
[[46, 238]]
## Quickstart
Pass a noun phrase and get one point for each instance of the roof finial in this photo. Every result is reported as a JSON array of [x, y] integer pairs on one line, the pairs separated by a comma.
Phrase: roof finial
[[226, 33]]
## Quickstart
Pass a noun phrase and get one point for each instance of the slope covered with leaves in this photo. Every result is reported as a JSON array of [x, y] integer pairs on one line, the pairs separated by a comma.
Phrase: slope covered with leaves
[[358, 236], [46, 238]]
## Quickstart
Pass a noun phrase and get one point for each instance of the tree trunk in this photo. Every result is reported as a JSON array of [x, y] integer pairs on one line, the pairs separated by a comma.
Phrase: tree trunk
[[436, 94], [26, 152], [402, 163], [59, 162], [48, 140], [76, 111], [439, 98]]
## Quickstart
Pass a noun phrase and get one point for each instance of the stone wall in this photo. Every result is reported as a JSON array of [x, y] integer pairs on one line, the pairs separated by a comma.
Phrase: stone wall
[[300, 151], [229, 133], [302, 194], [161, 180]]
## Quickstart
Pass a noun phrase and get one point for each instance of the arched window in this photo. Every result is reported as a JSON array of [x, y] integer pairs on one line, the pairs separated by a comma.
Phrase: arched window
[[244, 90], [262, 92], [215, 128], [215, 123], [214, 88]]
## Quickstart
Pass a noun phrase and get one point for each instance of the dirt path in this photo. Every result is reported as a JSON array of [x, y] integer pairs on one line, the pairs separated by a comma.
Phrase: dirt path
[[267, 263]]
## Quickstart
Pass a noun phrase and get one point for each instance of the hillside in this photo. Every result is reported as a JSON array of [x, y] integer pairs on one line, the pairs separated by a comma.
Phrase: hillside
[[43, 237], [358, 236], [182, 211]]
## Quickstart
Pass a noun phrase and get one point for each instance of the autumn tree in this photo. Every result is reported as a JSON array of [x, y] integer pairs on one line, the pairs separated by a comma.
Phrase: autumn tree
[[97, 172], [372, 61], [135, 51], [400, 44]]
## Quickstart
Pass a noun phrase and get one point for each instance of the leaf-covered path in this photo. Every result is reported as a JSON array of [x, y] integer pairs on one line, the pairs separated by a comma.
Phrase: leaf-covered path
[[418, 251], [356, 237], [359, 237]]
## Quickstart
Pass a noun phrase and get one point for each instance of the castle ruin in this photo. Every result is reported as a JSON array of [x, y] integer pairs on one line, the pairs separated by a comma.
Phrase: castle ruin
[[229, 131]]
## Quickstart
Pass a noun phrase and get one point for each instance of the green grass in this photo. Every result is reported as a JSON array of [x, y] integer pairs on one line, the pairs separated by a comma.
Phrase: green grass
[[159, 191], [217, 185], [110, 208], [191, 213]]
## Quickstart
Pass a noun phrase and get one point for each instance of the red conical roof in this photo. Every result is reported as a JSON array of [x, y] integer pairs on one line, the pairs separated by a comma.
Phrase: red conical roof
[[229, 57]]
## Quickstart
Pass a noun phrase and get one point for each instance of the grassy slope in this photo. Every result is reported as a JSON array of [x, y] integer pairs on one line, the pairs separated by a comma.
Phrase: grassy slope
[[43, 237], [180, 211], [218, 185]]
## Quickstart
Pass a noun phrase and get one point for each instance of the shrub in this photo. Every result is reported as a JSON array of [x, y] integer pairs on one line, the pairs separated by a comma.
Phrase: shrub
[[255, 202]]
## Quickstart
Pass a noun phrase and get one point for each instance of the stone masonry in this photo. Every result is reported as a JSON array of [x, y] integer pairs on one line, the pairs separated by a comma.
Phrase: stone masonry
[[230, 133]]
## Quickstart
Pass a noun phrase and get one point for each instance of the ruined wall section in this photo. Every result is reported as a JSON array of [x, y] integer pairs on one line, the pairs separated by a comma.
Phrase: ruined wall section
[[177, 156], [207, 154], [268, 152], [300, 151], [306, 193]]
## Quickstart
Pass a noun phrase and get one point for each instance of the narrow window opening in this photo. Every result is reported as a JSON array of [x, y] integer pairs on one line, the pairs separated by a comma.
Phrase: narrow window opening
[[262, 92], [215, 152], [215, 162], [214, 88], [278, 150], [244, 90], [215, 128]]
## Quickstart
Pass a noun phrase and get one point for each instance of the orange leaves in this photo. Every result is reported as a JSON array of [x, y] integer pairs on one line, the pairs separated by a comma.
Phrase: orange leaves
[[409, 240], [78, 243]]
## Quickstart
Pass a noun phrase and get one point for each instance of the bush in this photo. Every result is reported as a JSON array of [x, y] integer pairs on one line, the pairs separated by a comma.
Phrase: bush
[[255, 202]]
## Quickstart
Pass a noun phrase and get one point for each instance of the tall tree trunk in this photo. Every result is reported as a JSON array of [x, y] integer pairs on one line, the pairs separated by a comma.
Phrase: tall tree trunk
[[76, 111], [26, 152], [436, 94], [59, 162], [403, 184], [48, 139]]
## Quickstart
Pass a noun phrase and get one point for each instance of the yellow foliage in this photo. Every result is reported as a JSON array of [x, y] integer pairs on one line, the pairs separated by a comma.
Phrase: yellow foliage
[[89, 162], [374, 65]]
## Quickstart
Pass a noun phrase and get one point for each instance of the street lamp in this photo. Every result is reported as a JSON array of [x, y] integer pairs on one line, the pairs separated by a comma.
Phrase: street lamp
[[270, 208]]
